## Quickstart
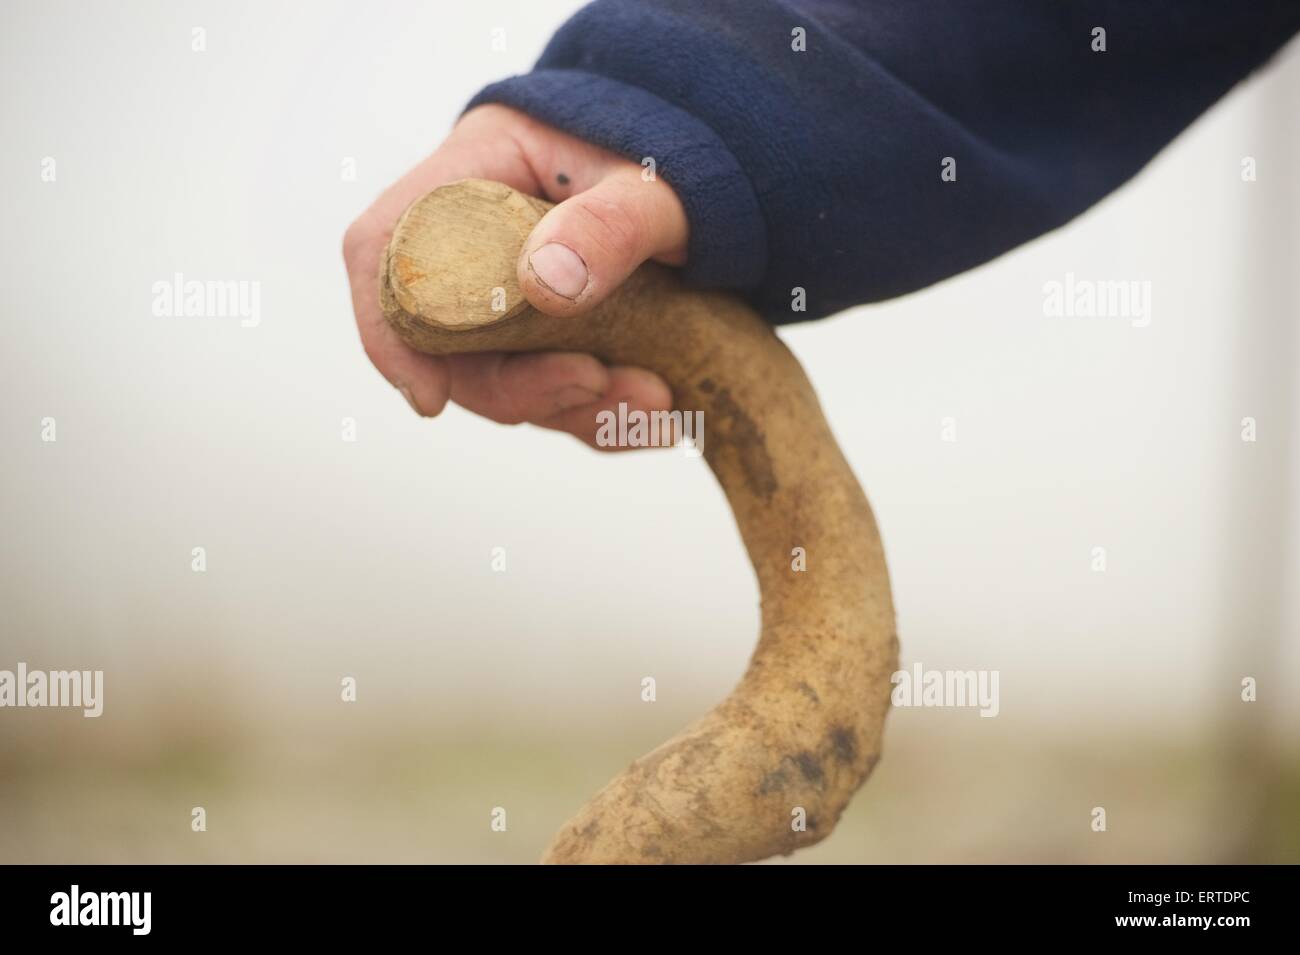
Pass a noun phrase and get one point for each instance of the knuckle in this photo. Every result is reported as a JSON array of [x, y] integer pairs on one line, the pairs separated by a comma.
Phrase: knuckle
[[356, 238], [373, 349], [612, 225], [501, 411], [487, 391], [487, 114]]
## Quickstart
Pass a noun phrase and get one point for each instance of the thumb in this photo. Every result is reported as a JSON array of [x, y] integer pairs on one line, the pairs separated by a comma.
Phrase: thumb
[[587, 245]]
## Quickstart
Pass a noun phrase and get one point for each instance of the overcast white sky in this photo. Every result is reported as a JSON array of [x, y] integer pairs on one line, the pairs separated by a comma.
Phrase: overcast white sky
[[373, 557]]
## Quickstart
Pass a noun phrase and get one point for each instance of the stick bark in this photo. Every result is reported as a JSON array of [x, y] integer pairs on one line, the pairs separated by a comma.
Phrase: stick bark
[[774, 765]]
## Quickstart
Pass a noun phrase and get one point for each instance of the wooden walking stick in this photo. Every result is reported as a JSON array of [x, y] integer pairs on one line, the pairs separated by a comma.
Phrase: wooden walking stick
[[802, 730]]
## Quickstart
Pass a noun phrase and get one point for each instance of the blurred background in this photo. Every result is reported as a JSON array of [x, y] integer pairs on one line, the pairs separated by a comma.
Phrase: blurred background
[[476, 689]]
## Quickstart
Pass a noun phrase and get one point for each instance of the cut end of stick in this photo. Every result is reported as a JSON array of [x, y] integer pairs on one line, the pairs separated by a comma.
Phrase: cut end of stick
[[452, 256]]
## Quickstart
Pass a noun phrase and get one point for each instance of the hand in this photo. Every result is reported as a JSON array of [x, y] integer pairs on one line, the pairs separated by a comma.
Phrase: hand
[[609, 220]]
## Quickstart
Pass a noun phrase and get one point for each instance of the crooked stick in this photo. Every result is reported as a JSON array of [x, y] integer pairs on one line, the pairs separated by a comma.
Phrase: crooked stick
[[802, 730]]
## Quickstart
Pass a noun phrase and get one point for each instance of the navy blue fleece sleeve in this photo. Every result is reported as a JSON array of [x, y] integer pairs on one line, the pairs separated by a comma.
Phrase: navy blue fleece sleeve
[[821, 168]]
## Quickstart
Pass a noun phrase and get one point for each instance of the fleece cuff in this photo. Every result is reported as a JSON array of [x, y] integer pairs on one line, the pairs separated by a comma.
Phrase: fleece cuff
[[728, 241]]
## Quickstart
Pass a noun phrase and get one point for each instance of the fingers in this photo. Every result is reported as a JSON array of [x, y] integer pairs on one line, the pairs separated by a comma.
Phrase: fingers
[[478, 148], [587, 245], [511, 389], [636, 388], [421, 379], [609, 222], [557, 390]]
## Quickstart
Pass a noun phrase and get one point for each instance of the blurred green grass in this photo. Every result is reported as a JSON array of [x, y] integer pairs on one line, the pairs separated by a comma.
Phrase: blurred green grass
[[393, 791]]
